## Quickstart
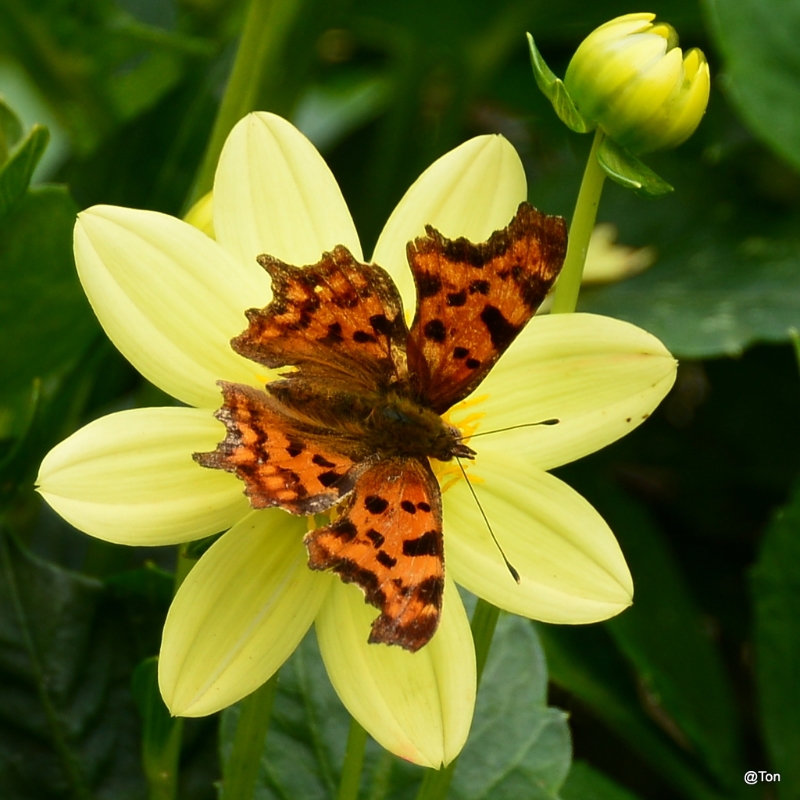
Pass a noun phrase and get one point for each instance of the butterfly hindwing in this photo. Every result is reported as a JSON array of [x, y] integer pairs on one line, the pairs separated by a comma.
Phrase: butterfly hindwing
[[473, 300], [388, 541], [281, 463]]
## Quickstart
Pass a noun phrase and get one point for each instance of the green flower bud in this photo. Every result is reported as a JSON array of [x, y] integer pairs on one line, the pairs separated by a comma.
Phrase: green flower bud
[[630, 78]]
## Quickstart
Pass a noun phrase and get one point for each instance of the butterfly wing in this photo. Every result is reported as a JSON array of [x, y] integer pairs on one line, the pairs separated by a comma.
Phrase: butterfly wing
[[338, 321], [473, 300], [301, 468], [388, 541]]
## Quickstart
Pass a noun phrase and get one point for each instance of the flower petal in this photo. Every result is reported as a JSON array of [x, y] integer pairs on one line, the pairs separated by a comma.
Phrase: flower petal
[[130, 478], [169, 298], [600, 377], [416, 705], [570, 565], [273, 193], [239, 614], [471, 191], [201, 215]]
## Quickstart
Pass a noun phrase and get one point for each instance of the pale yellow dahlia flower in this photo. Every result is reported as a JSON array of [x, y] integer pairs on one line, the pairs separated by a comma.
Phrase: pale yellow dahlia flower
[[171, 298]]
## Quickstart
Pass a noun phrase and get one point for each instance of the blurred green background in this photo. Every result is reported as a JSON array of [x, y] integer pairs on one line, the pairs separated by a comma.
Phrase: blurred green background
[[700, 680]]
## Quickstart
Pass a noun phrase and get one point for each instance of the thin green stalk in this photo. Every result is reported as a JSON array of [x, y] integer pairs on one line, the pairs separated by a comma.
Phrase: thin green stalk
[[436, 783], [569, 282], [161, 734], [162, 783], [241, 771], [183, 566], [265, 28], [353, 763], [795, 337]]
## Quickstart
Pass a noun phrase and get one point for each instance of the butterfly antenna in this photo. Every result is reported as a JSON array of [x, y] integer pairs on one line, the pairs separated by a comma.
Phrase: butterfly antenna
[[514, 573], [514, 427]]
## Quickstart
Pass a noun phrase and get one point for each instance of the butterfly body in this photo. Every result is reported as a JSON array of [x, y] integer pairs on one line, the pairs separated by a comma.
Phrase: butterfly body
[[355, 424]]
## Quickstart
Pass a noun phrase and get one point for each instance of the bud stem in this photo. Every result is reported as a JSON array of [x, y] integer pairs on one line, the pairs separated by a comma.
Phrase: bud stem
[[569, 282]]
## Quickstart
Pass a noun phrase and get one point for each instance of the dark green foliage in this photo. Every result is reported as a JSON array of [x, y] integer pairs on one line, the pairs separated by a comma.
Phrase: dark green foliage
[[44, 309], [776, 597], [68, 727], [519, 747]]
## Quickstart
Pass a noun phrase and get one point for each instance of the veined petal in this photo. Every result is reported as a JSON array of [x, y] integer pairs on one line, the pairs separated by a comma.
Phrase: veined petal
[[600, 377], [273, 193], [239, 614], [416, 705], [471, 191], [130, 478], [570, 565], [169, 297]]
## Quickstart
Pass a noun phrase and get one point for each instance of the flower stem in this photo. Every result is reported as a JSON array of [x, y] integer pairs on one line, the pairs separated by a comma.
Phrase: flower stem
[[484, 621], [161, 734], [183, 566], [353, 763], [436, 783], [569, 282], [240, 773], [265, 27]]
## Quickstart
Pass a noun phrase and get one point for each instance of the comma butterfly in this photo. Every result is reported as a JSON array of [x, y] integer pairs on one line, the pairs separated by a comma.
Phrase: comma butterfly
[[358, 418]]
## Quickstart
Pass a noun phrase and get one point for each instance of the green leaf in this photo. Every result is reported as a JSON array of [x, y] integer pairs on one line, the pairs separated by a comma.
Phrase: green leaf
[[554, 90], [16, 173], [18, 420], [518, 746], [762, 67], [10, 131], [624, 168], [328, 112], [710, 295], [680, 671], [585, 662], [586, 783], [43, 310], [776, 600], [67, 722]]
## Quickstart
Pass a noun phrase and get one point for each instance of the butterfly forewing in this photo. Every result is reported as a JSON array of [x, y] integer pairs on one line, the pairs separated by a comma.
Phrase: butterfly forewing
[[336, 321], [473, 300], [388, 541]]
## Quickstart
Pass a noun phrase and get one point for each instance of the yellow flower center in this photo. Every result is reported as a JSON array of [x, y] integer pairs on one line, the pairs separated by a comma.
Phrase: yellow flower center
[[448, 473]]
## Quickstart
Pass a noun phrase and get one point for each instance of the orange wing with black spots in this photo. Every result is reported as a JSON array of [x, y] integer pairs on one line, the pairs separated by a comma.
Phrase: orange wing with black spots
[[473, 300], [336, 321], [282, 463], [388, 541]]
